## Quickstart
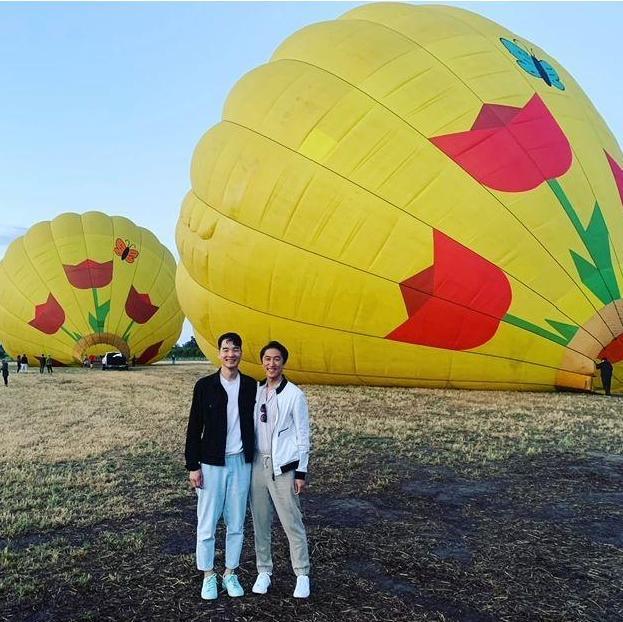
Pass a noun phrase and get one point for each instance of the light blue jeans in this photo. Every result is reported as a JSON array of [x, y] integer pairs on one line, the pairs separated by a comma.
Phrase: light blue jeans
[[224, 493]]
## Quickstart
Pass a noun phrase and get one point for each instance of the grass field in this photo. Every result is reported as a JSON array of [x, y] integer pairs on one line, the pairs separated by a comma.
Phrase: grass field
[[423, 505]]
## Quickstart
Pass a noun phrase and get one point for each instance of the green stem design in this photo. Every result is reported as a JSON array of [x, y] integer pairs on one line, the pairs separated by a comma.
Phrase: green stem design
[[98, 321], [567, 332], [598, 276], [554, 184], [127, 330], [72, 335]]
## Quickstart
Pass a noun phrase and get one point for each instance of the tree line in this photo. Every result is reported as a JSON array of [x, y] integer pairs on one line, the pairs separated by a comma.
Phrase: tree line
[[188, 350]]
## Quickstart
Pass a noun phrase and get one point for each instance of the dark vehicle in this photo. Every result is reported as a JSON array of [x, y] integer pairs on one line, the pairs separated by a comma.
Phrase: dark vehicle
[[114, 360]]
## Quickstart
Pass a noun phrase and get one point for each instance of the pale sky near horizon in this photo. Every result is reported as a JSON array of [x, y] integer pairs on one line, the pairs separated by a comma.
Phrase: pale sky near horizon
[[103, 103]]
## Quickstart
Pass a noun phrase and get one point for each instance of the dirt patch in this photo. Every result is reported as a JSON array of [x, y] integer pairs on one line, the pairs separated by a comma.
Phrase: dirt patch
[[350, 512], [538, 541]]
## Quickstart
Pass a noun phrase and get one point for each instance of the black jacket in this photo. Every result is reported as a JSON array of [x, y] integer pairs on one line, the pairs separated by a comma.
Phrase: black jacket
[[206, 434]]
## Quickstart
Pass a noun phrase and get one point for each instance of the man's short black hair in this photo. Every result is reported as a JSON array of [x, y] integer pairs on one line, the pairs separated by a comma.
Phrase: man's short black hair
[[277, 346], [235, 338]]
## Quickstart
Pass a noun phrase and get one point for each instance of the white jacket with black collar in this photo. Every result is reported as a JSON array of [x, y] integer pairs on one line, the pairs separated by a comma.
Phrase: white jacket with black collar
[[290, 441]]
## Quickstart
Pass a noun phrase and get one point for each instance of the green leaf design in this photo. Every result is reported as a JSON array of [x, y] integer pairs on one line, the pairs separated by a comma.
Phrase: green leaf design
[[591, 277], [93, 323], [568, 331], [126, 334], [599, 275], [597, 241], [74, 336], [102, 313], [538, 330]]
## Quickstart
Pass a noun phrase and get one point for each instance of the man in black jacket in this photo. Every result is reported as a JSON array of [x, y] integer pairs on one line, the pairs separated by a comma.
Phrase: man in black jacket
[[605, 369], [220, 442]]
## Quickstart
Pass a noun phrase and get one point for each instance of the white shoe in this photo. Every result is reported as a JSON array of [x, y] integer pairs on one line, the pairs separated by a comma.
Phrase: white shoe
[[262, 583], [209, 590], [302, 587]]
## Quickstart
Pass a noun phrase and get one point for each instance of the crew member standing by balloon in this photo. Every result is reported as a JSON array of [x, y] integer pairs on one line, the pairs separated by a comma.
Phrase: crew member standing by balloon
[[605, 370], [219, 451], [279, 469], [5, 372]]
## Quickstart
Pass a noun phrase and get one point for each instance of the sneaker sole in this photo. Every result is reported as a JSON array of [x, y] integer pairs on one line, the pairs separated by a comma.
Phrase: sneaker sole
[[209, 597]]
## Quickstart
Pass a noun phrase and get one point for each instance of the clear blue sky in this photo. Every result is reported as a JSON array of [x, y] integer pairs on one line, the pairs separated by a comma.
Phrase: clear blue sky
[[102, 104]]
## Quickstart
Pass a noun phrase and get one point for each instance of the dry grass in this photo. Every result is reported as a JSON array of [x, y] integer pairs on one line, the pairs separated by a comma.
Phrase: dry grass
[[424, 504]]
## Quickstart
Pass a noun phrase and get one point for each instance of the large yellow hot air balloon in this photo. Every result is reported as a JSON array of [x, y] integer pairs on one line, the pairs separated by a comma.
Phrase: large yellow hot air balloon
[[409, 195], [84, 284]]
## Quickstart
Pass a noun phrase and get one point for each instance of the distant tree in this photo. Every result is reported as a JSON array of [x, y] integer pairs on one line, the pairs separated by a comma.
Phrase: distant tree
[[190, 349]]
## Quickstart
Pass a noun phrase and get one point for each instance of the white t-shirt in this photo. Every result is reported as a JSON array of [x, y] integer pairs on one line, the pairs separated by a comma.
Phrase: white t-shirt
[[266, 420], [233, 444]]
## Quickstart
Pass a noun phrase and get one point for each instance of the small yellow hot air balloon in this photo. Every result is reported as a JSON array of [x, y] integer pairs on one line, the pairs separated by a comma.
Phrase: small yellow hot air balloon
[[409, 195], [81, 285]]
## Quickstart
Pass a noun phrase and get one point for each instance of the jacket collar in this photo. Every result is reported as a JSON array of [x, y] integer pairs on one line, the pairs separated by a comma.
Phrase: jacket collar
[[216, 377], [282, 384]]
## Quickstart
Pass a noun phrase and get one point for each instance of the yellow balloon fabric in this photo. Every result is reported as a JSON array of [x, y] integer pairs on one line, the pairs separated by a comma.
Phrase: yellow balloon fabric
[[409, 195], [86, 284]]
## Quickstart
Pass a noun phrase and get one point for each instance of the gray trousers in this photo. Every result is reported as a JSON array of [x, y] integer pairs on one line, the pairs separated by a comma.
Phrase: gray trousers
[[266, 492]]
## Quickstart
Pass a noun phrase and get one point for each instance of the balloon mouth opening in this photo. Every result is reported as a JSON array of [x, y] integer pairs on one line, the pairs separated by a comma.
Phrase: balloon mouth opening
[[98, 344], [577, 366]]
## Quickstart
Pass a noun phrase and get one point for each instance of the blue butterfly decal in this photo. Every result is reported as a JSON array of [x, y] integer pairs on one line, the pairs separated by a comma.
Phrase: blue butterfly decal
[[532, 65]]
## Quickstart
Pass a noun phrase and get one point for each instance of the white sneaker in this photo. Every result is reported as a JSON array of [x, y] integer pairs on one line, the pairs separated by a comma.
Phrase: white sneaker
[[262, 583], [302, 587], [209, 590]]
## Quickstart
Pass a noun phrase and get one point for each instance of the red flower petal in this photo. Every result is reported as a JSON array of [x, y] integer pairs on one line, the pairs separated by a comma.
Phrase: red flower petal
[[494, 115], [459, 301], [49, 316], [617, 171], [89, 274], [149, 353], [139, 307], [510, 149]]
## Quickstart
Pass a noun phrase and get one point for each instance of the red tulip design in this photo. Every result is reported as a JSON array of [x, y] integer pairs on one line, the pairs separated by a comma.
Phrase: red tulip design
[[89, 274], [49, 316], [149, 353], [457, 303], [139, 307], [517, 149], [617, 171], [510, 149]]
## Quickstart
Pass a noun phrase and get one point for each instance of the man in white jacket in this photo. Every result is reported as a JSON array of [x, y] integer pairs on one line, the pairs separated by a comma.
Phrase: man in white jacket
[[279, 469]]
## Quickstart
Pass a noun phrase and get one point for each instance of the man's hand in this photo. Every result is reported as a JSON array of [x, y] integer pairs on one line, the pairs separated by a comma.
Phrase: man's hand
[[299, 486], [196, 478]]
